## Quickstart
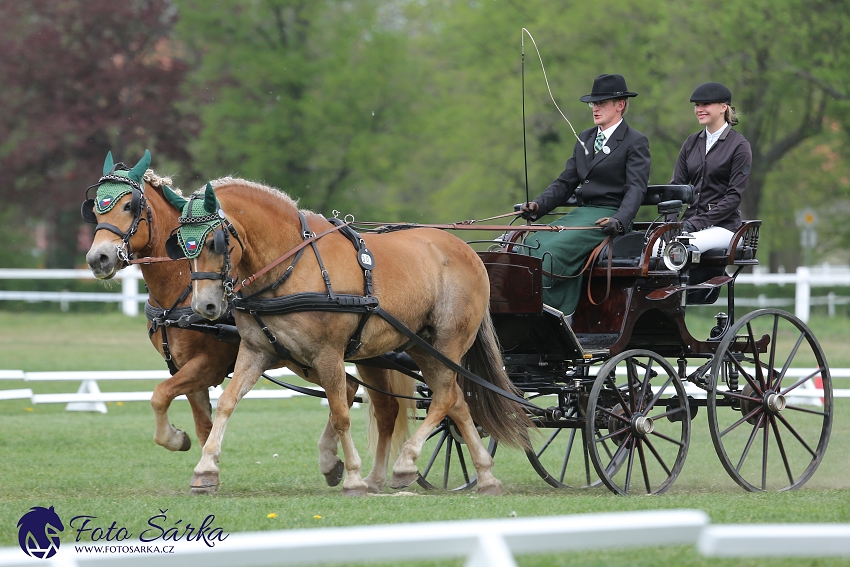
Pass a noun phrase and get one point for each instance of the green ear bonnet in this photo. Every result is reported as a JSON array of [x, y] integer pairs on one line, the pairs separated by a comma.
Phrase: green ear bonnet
[[201, 215]]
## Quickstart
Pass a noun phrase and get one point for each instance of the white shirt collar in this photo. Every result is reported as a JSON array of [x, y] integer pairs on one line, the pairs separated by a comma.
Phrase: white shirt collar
[[710, 139], [608, 131]]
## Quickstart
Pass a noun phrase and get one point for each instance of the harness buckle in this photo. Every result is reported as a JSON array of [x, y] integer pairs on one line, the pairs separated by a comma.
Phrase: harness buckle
[[121, 252], [307, 234]]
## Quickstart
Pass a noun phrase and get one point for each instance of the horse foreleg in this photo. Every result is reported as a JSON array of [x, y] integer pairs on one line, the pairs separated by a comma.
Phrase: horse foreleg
[[330, 465], [383, 412], [206, 477], [199, 401], [481, 458], [335, 384]]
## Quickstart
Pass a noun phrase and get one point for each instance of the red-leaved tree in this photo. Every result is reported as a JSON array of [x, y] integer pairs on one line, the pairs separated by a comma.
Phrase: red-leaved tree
[[79, 78]]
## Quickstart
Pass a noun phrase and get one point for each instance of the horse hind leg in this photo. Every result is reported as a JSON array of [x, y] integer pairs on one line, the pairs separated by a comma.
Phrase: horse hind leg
[[481, 458], [330, 465]]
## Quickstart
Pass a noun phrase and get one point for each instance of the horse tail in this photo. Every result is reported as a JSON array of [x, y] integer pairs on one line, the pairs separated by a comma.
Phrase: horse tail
[[397, 383], [501, 417]]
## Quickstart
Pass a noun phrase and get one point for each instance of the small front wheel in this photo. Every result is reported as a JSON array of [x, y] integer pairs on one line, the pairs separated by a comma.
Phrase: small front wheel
[[638, 405]]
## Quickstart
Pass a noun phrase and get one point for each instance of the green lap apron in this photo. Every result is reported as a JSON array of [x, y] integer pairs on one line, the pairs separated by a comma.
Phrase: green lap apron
[[564, 254]]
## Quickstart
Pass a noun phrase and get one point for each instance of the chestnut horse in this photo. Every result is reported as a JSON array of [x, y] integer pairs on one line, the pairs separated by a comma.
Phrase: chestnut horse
[[430, 280], [137, 221]]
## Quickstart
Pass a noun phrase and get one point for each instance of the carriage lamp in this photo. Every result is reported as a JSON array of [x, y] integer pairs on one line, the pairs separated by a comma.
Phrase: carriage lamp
[[675, 256]]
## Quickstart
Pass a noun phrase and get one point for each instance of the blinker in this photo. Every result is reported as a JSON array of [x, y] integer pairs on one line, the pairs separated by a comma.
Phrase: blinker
[[173, 248], [219, 242], [87, 211]]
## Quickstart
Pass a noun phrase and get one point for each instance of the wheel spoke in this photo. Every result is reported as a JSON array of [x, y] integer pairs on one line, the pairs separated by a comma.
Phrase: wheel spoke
[[766, 438], [586, 457], [742, 420], [657, 456], [655, 398], [567, 455], [610, 435], [749, 444], [614, 415], [759, 369], [462, 462], [795, 434], [806, 410], [611, 469], [747, 376], [772, 358], [631, 378], [447, 465], [666, 438], [646, 378], [435, 453], [644, 467], [623, 403], [781, 449], [667, 413], [629, 466], [739, 396], [787, 364], [548, 442], [802, 381]]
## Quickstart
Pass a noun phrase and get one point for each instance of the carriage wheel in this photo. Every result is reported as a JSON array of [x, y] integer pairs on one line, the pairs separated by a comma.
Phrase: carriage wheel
[[638, 405], [770, 427], [559, 451], [449, 464]]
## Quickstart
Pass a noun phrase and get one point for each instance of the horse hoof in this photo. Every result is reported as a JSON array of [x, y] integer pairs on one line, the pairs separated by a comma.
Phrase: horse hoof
[[359, 491], [403, 480], [493, 489], [187, 443], [206, 483], [335, 475]]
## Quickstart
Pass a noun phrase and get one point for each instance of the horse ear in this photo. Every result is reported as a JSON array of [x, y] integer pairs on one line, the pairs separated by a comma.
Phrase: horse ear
[[176, 200], [108, 164], [140, 168], [210, 202]]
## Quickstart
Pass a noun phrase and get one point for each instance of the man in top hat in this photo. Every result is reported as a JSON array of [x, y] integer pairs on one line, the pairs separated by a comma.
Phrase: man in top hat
[[608, 173]]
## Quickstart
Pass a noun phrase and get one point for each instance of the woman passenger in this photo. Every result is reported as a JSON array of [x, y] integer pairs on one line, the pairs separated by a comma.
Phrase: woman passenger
[[717, 162]]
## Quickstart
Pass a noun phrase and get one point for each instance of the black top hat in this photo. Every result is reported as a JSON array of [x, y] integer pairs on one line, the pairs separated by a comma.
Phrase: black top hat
[[606, 87], [711, 92]]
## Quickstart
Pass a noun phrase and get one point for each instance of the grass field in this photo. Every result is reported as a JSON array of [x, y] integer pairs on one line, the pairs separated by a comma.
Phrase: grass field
[[106, 465]]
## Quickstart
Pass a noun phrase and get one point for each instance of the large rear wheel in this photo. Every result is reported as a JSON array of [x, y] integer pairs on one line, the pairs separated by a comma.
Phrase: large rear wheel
[[639, 406], [770, 401]]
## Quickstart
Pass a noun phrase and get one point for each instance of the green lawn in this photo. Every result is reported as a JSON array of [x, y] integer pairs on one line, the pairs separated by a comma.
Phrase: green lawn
[[106, 465]]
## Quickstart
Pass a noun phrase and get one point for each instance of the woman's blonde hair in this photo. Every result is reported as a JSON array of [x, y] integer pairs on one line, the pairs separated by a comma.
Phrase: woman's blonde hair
[[731, 116]]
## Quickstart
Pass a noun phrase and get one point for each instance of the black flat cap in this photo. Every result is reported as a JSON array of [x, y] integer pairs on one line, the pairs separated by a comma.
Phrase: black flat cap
[[711, 92]]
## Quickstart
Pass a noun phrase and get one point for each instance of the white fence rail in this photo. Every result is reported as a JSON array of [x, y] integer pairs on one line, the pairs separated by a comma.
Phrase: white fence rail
[[483, 543], [804, 279], [129, 297], [89, 397]]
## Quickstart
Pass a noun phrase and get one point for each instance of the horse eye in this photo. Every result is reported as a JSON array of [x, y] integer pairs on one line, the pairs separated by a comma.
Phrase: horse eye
[[127, 206]]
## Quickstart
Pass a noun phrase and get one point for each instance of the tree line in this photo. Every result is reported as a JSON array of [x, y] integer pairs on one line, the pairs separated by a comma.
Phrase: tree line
[[409, 110]]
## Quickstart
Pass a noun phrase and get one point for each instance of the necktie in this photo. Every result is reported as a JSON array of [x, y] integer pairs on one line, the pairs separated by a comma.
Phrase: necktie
[[600, 140]]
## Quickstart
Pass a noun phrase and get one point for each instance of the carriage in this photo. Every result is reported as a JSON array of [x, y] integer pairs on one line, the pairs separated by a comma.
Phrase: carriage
[[596, 399], [617, 385]]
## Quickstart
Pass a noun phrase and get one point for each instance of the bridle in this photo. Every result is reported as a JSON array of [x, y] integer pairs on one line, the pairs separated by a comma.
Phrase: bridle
[[221, 245], [138, 202]]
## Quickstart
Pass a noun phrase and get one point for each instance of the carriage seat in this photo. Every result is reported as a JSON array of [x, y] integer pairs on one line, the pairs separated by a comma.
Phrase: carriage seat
[[629, 247]]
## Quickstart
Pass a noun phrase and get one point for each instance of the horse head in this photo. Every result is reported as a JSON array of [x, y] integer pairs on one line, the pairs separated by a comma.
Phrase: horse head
[[118, 208], [204, 237]]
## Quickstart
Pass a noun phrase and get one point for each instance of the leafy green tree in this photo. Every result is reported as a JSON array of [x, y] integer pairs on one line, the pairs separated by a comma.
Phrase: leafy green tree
[[309, 96]]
